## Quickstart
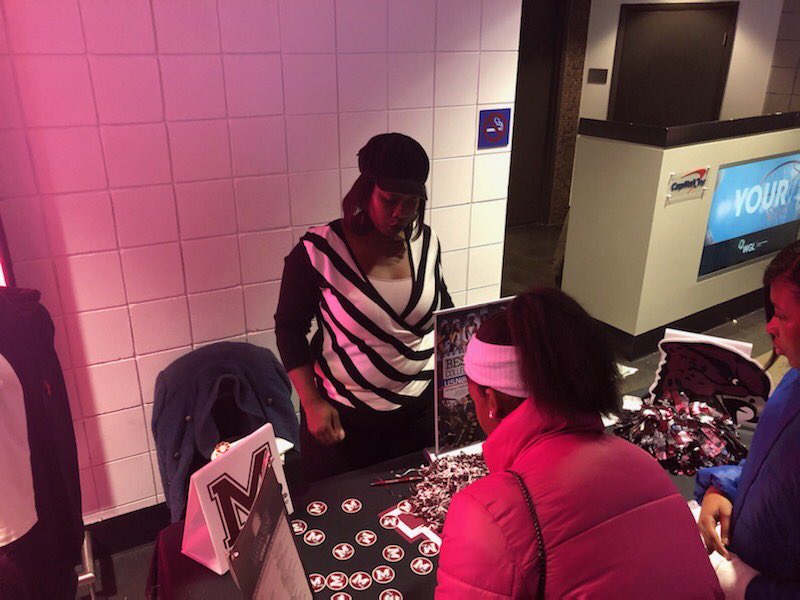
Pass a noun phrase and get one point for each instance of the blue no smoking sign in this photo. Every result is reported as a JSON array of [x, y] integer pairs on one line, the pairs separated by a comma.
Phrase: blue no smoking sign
[[493, 128]]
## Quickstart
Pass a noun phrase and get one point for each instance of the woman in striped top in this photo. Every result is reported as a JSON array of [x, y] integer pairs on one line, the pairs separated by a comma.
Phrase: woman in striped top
[[371, 281]]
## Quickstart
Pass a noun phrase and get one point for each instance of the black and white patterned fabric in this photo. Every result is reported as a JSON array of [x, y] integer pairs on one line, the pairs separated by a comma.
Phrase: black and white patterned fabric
[[369, 354]]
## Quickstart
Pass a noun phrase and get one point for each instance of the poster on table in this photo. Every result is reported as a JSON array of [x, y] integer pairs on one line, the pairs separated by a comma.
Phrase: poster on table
[[716, 371], [264, 560], [456, 422], [705, 391], [222, 494]]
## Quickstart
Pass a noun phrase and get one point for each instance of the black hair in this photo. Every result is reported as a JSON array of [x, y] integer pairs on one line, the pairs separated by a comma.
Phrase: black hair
[[354, 209], [785, 265], [566, 360]]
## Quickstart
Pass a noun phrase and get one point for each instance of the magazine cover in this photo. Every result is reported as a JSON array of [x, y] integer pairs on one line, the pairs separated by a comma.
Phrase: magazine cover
[[456, 423]]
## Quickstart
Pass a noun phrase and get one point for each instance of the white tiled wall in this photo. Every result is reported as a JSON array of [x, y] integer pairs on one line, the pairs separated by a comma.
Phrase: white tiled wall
[[159, 158]]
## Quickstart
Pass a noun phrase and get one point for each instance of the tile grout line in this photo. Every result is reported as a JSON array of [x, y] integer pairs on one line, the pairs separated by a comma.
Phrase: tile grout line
[[172, 185], [172, 182], [232, 170], [118, 251]]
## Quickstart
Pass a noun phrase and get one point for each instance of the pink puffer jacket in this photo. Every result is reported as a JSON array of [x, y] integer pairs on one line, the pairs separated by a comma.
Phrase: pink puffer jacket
[[614, 525]]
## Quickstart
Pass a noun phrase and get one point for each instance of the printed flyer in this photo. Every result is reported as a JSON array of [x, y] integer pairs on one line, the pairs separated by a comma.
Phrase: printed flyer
[[264, 560], [456, 423]]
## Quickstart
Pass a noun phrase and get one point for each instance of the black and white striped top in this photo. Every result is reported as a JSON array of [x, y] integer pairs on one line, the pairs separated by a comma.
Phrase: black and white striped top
[[365, 354]]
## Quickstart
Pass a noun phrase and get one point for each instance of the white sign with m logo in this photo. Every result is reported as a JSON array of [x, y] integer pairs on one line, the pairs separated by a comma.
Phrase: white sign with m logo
[[222, 493]]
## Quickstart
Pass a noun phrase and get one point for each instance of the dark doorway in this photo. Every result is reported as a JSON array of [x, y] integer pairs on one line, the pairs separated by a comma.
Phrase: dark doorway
[[549, 82], [671, 62], [536, 104]]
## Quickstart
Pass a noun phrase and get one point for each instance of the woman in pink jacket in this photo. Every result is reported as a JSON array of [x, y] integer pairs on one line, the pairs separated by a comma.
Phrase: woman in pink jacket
[[566, 511]]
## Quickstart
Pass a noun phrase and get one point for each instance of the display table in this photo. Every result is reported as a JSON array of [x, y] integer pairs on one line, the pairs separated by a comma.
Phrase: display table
[[175, 576]]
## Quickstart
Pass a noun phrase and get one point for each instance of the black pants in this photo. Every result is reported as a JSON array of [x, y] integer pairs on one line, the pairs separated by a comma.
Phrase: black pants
[[34, 568], [371, 436]]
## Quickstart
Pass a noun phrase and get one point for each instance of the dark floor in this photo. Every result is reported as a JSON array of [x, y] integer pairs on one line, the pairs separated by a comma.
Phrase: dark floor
[[528, 261], [123, 575], [528, 257]]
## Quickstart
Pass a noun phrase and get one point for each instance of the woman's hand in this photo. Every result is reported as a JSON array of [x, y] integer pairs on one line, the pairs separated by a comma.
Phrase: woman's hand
[[322, 421], [716, 508]]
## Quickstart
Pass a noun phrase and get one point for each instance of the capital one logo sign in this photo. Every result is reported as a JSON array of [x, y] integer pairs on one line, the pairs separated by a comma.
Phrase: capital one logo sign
[[234, 500], [690, 181]]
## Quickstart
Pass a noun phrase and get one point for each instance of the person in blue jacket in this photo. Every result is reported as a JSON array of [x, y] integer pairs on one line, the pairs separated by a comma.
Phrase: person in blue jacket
[[757, 503]]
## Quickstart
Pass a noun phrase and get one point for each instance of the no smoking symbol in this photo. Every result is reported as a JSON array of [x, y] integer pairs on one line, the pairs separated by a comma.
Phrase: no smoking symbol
[[494, 126]]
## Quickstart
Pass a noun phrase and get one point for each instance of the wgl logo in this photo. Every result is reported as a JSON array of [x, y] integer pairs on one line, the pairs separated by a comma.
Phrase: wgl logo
[[744, 247], [234, 500]]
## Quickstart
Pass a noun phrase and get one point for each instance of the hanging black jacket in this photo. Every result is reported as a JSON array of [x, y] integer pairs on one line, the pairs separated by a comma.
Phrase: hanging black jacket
[[48, 553], [190, 411]]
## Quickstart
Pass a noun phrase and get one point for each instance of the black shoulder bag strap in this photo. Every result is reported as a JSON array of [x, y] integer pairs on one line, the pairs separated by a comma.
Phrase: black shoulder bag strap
[[539, 540]]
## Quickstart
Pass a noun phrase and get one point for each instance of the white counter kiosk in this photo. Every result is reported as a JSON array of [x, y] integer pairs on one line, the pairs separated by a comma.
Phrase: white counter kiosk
[[673, 226]]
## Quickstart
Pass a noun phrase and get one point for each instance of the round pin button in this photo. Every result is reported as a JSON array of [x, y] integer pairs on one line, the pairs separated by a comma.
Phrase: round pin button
[[393, 553], [314, 537], [336, 581], [360, 581], [343, 551], [421, 565], [316, 508], [383, 574]]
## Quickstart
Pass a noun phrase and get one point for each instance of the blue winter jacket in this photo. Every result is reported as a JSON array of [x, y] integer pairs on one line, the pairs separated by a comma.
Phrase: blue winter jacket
[[186, 392], [765, 491]]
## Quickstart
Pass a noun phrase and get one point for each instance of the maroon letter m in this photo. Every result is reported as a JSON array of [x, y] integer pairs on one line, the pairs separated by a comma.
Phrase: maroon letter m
[[234, 500]]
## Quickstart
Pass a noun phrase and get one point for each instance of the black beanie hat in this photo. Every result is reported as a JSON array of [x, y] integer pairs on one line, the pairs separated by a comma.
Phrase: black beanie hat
[[397, 163]]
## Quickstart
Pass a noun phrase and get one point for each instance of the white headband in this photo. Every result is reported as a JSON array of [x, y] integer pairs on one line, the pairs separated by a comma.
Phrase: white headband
[[494, 366]]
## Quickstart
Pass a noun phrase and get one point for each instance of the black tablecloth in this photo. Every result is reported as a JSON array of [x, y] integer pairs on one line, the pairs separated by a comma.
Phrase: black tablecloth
[[175, 576]]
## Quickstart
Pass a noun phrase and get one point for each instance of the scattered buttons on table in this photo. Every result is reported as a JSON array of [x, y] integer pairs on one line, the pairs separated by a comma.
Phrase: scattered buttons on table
[[389, 522], [428, 548], [336, 581], [383, 574], [317, 582], [343, 551], [314, 537], [352, 505], [393, 553], [366, 537], [421, 565], [360, 581], [316, 508], [299, 526]]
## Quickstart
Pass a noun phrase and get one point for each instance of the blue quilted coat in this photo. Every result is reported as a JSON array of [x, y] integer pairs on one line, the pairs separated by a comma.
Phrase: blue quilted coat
[[765, 491]]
